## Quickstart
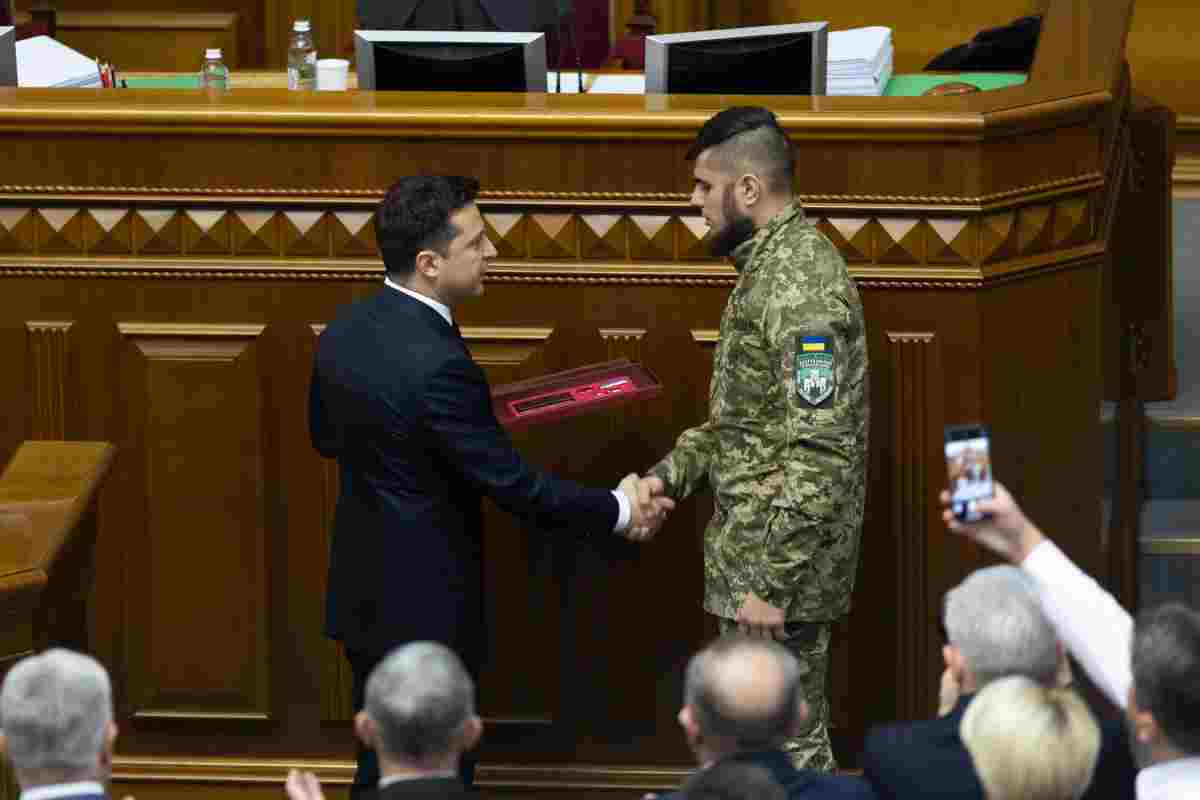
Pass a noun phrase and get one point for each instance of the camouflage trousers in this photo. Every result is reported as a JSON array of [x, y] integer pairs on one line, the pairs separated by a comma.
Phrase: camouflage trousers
[[809, 642]]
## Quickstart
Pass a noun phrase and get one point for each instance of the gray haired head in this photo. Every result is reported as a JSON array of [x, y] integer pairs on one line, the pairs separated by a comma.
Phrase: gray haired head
[[994, 619], [55, 710], [419, 698], [746, 691]]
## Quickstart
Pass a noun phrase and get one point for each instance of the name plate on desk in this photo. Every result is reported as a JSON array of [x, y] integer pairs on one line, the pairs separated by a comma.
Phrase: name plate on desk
[[573, 392]]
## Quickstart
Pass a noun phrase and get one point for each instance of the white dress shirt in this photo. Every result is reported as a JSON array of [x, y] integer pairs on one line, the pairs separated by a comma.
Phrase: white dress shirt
[[1089, 620], [1099, 633], [388, 780], [1170, 780], [625, 511], [55, 791]]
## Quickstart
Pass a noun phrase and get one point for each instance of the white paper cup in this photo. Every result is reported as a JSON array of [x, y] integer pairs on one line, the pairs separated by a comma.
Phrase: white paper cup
[[332, 74]]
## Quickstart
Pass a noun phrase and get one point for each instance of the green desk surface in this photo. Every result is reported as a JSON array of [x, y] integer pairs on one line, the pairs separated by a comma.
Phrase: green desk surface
[[919, 83], [898, 86]]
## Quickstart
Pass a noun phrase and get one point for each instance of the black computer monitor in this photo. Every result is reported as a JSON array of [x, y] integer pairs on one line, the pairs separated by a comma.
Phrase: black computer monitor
[[450, 61], [769, 59]]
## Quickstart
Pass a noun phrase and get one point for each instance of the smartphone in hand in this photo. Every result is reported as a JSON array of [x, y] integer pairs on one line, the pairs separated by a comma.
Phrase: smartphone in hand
[[969, 469]]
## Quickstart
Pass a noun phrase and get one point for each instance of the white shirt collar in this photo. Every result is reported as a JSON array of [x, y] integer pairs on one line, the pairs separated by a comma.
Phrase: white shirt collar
[[54, 791], [388, 780], [1169, 780], [441, 308]]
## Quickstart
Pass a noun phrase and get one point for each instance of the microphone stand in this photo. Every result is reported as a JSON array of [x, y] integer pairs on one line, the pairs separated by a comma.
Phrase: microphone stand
[[558, 52]]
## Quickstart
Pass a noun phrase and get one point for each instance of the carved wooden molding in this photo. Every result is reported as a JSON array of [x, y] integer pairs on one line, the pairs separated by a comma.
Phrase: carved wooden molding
[[642, 245], [912, 376], [1087, 180], [135, 20], [1186, 177], [148, 769], [49, 354]]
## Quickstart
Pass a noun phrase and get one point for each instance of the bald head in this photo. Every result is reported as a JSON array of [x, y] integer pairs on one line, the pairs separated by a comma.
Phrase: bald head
[[745, 690]]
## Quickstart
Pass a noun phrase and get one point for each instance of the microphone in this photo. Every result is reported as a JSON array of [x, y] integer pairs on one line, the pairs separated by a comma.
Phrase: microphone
[[566, 8]]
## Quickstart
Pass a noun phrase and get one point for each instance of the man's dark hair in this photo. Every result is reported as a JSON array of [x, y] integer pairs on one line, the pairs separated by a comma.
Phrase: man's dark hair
[[414, 215], [731, 779], [1166, 672], [750, 140], [717, 713]]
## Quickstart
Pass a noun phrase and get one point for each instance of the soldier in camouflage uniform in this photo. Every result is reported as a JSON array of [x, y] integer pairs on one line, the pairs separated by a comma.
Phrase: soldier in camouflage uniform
[[784, 448]]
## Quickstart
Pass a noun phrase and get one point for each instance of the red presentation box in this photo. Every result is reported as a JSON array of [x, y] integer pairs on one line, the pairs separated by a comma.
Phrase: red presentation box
[[596, 387]]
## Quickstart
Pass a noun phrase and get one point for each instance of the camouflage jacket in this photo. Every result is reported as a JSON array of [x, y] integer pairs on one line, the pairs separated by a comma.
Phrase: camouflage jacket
[[784, 448]]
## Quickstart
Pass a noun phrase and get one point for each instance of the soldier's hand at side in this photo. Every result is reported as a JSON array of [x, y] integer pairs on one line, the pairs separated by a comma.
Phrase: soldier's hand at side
[[759, 618], [1005, 530]]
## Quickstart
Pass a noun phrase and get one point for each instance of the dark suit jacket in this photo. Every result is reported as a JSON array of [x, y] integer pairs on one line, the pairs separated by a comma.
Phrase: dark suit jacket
[[398, 401], [504, 15], [426, 789], [800, 784], [927, 759]]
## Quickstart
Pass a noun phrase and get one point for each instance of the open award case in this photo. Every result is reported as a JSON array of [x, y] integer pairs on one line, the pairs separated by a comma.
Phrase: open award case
[[595, 387]]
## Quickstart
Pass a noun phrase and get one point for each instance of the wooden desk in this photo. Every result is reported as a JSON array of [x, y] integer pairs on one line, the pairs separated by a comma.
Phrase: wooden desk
[[168, 258]]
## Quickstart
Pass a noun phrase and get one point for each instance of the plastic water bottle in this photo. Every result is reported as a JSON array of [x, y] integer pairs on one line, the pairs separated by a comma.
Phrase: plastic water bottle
[[213, 73], [302, 57]]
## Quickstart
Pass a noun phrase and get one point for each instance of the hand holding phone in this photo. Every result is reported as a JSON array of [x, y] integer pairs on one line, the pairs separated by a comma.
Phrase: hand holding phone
[[969, 469]]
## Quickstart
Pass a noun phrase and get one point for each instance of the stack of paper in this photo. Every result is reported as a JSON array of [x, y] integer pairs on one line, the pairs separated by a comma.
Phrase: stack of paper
[[43, 62], [859, 61]]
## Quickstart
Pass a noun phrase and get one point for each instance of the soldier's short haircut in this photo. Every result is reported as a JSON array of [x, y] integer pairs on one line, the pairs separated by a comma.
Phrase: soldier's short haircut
[[994, 619], [748, 140], [54, 711], [419, 698], [714, 682], [1166, 672], [733, 780]]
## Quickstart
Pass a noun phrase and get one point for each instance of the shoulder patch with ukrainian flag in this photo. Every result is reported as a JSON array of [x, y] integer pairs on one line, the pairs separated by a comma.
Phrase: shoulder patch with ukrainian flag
[[814, 371]]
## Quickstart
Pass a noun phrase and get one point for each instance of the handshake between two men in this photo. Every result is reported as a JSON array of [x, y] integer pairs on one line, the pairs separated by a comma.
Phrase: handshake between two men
[[648, 505]]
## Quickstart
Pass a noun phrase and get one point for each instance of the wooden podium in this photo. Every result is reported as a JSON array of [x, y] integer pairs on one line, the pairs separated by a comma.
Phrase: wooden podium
[[168, 259]]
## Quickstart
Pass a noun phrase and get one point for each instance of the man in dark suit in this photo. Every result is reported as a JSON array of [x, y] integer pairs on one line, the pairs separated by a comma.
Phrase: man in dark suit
[[995, 628], [742, 701], [419, 719], [458, 15], [398, 400], [56, 726]]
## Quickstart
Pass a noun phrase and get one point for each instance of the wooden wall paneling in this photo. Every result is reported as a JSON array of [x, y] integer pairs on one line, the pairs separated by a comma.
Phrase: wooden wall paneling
[[1045, 361], [293, 489], [519, 697], [177, 15], [197, 620], [15, 395], [172, 41]]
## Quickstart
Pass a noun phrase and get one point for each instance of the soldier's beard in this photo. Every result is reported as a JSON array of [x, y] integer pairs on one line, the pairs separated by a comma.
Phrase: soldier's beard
[[738, 228]]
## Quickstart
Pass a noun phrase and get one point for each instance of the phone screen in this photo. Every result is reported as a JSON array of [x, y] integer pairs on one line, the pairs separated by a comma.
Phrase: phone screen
[[969, 468]]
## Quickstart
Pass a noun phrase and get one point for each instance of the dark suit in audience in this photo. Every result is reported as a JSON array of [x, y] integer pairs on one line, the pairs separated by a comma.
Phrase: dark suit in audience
[[426, 789], [921, 759], [928, 759]]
